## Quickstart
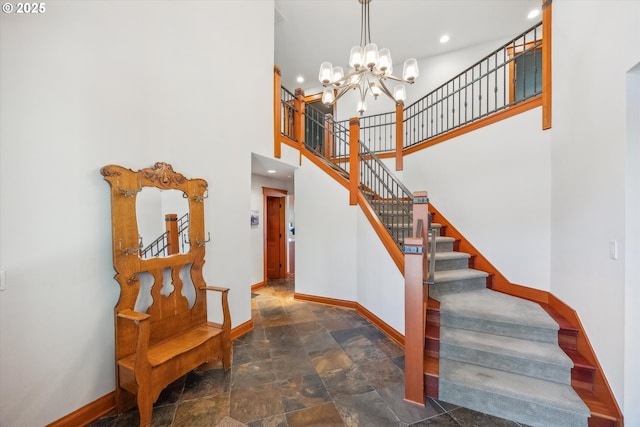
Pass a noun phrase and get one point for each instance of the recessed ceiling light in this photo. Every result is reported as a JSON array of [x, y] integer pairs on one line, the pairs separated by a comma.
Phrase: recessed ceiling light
[[533, 13], [300, 79], [444, 38], [271, 171]]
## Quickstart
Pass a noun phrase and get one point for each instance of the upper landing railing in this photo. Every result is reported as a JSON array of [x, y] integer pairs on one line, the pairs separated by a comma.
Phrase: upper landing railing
[[510, 76]]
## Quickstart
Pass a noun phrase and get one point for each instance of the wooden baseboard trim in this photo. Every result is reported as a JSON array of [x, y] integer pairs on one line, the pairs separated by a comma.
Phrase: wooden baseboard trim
[[242, 329], [88, 413], [324, 300], [361, 310], [259, 285], [381, 324]]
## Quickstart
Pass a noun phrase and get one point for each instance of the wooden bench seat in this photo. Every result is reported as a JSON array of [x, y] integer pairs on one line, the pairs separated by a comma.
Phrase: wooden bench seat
[[174, 347]]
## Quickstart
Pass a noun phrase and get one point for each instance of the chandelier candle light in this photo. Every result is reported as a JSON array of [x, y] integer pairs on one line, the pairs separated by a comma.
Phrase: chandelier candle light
[[370, 68]]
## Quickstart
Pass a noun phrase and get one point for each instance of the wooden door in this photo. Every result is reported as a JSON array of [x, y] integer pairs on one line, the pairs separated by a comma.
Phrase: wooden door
[[275, 238]]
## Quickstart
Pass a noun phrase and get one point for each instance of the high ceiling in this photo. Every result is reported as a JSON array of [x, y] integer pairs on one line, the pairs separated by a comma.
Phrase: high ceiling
[[309, 32]]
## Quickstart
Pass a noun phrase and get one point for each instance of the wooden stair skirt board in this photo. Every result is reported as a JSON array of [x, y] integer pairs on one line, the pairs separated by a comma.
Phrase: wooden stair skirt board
[[587, 377]]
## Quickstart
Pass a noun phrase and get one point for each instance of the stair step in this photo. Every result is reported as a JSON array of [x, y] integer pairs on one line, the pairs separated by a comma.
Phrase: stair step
[[444, 244], [457, 281], [496, 313], [507, 395], [524, 357], [451, 260]]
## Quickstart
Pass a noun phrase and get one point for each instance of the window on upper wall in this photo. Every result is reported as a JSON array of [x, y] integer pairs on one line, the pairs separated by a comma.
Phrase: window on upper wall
[[525, 71]]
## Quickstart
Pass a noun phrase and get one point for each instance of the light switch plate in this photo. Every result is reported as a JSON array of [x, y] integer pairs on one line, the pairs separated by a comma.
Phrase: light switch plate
[[613, 249]]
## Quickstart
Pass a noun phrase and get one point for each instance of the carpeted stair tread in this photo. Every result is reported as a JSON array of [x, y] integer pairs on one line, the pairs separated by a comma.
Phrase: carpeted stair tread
[[488, 311], [454, 275], [442, 256], [521, 356], [504, 394]]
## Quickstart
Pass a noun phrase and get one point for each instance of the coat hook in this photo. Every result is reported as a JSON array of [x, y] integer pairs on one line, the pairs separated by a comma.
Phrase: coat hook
[[128, 193], [199, 243], [131, 251], [200, 199]]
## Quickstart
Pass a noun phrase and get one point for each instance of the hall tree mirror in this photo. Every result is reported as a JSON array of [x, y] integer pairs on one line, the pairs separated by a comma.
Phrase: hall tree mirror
[[163, 222]]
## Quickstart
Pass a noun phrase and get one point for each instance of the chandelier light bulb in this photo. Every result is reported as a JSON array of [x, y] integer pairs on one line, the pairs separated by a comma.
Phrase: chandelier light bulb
[[410, 71], [375, 90], [399, 93], [327, 95], [362, 106], [384, 62], [356, 57], [371, 56], [326, 73], [338, 74]]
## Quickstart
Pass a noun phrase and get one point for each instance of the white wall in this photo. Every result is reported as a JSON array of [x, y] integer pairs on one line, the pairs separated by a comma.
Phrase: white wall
[[91, 83], [493, 184], [380, 283], [632, 249], [257, 232], [588, 150], [326, 239]]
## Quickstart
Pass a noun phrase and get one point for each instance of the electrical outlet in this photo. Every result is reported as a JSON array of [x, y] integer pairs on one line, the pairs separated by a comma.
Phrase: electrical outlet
[[3, 280]]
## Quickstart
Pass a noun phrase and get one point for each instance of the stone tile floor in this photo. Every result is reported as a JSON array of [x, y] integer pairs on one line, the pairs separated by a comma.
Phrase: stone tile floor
[[303, 364]]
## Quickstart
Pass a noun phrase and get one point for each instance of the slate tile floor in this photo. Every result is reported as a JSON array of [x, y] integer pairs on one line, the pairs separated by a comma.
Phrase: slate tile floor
[[304, 364]]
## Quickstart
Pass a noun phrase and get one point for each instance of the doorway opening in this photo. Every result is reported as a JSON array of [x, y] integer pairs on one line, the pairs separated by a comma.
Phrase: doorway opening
[[276, 234]]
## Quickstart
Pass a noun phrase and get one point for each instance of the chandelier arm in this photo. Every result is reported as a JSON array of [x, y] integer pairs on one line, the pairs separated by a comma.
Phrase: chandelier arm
[[385, 89], [341, 92], [397, 79]]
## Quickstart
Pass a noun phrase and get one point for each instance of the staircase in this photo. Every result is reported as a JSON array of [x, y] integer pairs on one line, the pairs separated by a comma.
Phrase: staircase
[[486, 350]]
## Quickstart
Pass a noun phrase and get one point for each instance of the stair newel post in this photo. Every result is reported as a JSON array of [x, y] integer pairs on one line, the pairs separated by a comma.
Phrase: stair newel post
[[415, 270], [171, 227], [399, 135], [277, 110], [354, 159], [298, 121]]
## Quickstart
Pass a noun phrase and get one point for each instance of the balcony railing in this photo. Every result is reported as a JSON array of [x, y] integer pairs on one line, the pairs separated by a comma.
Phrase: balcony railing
[[509, 75]]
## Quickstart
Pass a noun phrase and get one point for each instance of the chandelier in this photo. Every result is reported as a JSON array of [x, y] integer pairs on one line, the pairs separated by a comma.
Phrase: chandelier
[[370, 68]]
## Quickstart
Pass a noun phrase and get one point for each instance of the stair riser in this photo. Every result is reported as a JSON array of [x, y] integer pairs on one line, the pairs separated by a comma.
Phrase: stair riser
[[452, 264], [445, 246], [531, 333], [521, 411], [456, 286], [536, 369]]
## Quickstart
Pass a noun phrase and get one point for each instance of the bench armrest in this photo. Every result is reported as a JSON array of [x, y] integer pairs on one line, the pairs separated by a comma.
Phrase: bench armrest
[[142, 366], [226, 315], [133, 315], [215, 288]]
